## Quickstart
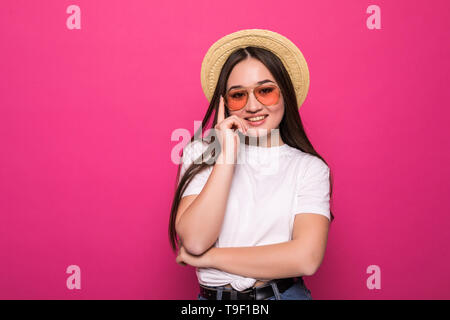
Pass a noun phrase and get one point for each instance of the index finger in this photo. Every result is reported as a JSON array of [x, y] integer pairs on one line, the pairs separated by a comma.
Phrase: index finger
[[221, 111]]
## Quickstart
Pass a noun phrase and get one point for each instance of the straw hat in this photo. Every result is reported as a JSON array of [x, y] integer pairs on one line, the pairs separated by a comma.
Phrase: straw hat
[[289, 54]]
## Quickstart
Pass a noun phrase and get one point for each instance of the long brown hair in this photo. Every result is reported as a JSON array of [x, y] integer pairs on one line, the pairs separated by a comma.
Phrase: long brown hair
[[291, 127]]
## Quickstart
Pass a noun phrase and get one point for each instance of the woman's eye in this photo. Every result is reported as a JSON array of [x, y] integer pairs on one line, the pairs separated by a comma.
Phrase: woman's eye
[[237, 95], [266, 90]]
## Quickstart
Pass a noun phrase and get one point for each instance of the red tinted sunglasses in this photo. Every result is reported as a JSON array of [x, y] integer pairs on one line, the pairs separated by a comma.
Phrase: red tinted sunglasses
[[267, 94]]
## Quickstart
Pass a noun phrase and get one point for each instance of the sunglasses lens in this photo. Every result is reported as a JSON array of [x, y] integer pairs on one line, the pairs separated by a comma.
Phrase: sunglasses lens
[[236, 99], [267, 95]]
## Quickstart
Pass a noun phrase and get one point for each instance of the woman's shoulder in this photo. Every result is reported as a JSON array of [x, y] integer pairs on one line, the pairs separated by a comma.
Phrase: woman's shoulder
[[307, 160]]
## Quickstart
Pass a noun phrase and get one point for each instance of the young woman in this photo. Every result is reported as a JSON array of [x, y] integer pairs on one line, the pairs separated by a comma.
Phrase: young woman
[[253, 217]]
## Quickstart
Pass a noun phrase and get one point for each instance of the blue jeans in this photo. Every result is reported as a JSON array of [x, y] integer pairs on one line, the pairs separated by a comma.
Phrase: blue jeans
[[298, 291]]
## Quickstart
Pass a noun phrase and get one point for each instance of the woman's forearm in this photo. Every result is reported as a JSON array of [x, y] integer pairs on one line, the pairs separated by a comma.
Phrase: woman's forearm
[[200, 224], [274, 261]]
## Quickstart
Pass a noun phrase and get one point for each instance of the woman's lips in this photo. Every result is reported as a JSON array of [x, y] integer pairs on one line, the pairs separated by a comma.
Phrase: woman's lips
[[257, 123]]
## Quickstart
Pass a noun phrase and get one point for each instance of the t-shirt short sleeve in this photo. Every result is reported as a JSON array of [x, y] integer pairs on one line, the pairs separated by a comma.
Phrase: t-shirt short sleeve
[[313, 191], [191, 153]]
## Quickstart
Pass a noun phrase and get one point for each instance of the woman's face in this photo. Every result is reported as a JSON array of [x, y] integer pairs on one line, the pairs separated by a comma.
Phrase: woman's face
[[247, 74]]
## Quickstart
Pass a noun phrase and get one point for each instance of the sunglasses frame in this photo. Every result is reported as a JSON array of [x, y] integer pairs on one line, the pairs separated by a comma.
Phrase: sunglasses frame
[[252, 91]]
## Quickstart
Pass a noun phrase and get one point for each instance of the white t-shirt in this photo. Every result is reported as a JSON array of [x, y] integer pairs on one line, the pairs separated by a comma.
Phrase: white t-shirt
[[269, 187]]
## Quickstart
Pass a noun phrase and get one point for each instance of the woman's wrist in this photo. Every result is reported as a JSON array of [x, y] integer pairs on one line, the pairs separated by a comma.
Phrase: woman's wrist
[[225, 160], [211, 258]]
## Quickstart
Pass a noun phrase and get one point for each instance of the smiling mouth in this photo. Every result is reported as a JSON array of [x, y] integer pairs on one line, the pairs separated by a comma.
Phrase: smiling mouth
[[256, 119]]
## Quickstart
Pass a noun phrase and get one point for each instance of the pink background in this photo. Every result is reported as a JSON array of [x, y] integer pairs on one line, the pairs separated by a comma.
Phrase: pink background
[[86, 118]]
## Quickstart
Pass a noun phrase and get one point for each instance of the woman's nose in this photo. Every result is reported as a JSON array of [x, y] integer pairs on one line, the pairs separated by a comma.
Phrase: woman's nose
[[253, 104]]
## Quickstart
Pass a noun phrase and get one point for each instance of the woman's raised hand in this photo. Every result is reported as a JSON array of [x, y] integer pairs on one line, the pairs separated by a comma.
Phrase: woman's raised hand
[[226, 132]]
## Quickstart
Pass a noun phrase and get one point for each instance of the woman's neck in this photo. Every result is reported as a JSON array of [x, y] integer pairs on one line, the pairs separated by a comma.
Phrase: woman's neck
[[264, 141]]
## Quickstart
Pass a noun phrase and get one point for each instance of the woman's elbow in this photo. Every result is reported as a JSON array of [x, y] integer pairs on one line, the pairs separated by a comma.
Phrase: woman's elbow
[[308, 269], [309, 266], [195, 249], [192, 245]]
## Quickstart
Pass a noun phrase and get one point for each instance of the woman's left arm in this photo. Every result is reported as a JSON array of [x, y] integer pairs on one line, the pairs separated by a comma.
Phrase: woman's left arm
[[300, 256]]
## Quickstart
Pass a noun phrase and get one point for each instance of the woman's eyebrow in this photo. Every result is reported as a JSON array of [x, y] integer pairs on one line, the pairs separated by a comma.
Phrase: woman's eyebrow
[[259, 83]]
